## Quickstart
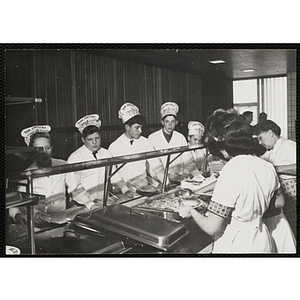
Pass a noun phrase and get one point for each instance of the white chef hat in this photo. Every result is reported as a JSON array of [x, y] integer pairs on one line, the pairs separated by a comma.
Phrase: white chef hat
[[27, 133], [169, 108], [88, 120], [195, 127], [128, 111]]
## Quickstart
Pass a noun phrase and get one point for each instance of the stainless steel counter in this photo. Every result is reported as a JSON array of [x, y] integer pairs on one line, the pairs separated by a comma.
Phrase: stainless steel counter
[[67, 239]]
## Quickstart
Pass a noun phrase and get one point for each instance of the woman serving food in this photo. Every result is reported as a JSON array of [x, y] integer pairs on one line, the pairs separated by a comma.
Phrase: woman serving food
[[242, 193]]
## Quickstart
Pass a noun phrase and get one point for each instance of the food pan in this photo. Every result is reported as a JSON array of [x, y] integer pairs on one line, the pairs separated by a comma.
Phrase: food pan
[[165, 214], [160, 207], [131, 224]]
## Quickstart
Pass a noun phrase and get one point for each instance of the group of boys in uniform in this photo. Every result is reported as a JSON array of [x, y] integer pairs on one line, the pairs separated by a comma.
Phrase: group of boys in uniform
[[86, 187]]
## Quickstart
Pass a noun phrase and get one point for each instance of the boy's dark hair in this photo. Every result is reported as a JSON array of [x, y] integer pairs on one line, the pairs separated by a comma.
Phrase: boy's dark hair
[[247, 113], [168, 116], [263, 116], [265, 126], [90, 130], [139, 119]]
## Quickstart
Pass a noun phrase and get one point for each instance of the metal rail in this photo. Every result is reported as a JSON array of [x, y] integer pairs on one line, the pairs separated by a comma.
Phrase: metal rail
[[74, 167], [107, 163]]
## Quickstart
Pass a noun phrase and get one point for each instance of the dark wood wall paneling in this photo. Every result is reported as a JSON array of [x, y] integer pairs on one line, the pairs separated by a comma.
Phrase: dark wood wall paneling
[[18, 83], [75, 83]]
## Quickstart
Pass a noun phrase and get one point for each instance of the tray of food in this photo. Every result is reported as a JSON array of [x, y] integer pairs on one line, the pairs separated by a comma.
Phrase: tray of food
[[178, 203], [166, 203], [165, 207]]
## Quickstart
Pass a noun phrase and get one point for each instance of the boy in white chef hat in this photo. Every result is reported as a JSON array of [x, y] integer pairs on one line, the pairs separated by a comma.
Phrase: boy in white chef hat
[[168, 137], [130, 114], [195, 133], [195, 161], [52, 187], [169, 109], [87, 186], [132, 141], [86, 121], [28, 133]]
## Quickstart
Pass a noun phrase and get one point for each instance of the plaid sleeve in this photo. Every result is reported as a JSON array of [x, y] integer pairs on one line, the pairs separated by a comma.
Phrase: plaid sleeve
[[220, 209]]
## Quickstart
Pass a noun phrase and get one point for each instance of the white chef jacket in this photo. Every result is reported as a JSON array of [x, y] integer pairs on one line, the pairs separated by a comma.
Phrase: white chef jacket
[[52, 187], [283, 153], [195, 161], [136, 172], [88, 185], [246, 184], [159, 142]]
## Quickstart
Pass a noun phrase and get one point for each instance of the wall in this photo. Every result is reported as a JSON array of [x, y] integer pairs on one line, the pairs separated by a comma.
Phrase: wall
[[74, 83], [217, 92], [292, 104]]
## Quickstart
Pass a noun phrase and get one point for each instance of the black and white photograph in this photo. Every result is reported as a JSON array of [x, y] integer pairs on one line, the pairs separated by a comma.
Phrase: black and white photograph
[[150, 150]]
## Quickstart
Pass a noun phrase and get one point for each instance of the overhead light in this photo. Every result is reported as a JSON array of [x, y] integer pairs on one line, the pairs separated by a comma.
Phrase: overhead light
[[248, 70], [215, 62]]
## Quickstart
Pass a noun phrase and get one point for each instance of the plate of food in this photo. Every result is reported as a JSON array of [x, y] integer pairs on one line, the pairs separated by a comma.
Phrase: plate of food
[[192, 184], [207, 186], [178, 203]]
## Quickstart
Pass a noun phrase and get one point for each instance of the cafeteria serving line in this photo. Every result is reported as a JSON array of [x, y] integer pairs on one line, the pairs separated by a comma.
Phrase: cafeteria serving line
[[97, 185]]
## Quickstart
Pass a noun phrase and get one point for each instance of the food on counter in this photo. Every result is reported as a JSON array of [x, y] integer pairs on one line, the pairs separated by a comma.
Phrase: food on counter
[[157, 204], [181, 202], [194, 182], [184, 193], [170, 204], [206, 185]]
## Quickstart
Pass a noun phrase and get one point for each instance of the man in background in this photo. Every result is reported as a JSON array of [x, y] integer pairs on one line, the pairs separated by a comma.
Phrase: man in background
[[282, 154], [248, 116]]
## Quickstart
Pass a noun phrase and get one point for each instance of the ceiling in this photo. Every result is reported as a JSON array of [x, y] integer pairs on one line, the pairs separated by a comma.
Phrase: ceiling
[[265, 62]]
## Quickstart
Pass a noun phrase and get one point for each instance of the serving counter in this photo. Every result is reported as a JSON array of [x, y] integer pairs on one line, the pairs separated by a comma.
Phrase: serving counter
[[124, 227]]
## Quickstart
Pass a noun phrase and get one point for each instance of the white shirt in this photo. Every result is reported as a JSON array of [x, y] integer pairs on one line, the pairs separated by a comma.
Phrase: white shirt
[[195, 161], [159, 142], [283, 153], [52, 187], [246, 184], [87, 185], [135, 172]]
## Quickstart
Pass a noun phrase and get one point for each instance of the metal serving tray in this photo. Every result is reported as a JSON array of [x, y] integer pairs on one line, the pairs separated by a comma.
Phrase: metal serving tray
[[162, 211], [165, 214], [135, 225], [71, 240]]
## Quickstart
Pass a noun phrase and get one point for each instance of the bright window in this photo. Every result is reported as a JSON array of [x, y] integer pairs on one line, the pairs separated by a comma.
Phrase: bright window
[[267, 95], [245, 97], [245, 91]]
